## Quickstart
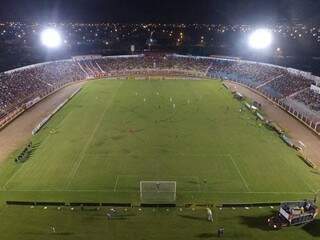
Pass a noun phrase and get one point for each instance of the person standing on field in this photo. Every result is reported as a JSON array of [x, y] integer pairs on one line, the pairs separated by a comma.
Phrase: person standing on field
[[210, 216]]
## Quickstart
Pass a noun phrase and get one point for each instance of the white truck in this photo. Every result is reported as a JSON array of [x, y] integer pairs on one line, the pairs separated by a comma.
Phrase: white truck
[[294, 213]]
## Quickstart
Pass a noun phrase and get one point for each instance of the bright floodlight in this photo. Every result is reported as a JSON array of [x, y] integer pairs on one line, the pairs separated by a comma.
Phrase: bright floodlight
[[260, 39], [51, 38]]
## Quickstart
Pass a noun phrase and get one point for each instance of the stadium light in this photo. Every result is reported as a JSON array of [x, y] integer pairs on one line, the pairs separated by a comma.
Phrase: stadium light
[[51, 38], [260, 39]]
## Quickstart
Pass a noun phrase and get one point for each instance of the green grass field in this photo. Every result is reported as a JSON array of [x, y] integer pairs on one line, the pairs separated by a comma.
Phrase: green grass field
[[154, 224], [114, 134]]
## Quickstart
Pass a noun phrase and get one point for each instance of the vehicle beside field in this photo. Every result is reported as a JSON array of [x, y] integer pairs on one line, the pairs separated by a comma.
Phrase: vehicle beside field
[[294, 213]]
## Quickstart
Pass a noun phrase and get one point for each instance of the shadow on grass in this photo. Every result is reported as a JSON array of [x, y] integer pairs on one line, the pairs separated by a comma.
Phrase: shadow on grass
[[313, 228], [89, 209], [35, 146], [316, 172], [63, 233], [194, 218], [205, 235], [51, 233], [193, 182], [120, 218], [258, 222]]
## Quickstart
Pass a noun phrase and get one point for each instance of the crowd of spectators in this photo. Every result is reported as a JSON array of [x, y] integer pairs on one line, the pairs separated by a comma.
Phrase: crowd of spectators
[[108, 66], [19, 86], [310, 98], [289, 84], [22, 85], [274, 81], [252, 74]]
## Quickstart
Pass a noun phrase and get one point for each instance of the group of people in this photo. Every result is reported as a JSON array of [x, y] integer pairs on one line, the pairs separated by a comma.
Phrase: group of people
[[278, 83], [251, 74], [19, 86], [142, 64], [309, 98], [289, 84], [22, 85]]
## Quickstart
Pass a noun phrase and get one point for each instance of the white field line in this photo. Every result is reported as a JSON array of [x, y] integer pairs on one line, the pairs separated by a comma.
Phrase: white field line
[[12, 177], [45, 139], [240, 174], [308, 185], [137, 191], [152, 154], [116, 184], [93, 133]]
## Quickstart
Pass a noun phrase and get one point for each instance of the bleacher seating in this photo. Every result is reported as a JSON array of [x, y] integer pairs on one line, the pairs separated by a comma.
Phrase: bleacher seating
[[19, 86]]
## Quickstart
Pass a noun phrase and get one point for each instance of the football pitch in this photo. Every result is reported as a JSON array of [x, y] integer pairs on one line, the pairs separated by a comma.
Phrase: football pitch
[[115, 133]]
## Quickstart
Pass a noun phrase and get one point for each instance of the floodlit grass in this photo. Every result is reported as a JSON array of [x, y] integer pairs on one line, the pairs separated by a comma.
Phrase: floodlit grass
[[114, 134], [174, 223]]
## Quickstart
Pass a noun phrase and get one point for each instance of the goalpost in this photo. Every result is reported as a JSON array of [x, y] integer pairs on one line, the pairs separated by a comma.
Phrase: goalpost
[[158, 192]]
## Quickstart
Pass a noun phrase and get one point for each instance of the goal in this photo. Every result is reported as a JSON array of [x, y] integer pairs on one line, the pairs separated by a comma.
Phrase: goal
[[158, 192]]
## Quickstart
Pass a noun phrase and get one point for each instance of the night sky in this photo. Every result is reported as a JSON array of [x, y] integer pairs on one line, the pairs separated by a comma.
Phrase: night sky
[[164, 11]]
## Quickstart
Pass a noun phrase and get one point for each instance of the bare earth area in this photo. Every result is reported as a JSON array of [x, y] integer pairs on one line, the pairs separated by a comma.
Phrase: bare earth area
[[17, 133], [292, 126]]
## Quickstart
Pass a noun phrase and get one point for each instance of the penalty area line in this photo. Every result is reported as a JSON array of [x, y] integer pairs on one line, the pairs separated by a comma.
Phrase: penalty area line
[[81, 155], [116, 184], [240, 174], [137, 191], [42, 143]]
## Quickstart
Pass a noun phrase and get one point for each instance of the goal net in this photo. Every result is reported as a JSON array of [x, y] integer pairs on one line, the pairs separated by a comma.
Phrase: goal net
[[158, 192]]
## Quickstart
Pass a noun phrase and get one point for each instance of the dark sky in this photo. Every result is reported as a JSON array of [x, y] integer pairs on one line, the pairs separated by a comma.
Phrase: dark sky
[[187, 11]]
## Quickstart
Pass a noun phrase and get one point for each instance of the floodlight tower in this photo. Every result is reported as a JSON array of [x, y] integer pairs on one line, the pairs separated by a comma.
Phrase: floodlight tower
[[51, 38], [260, 39]]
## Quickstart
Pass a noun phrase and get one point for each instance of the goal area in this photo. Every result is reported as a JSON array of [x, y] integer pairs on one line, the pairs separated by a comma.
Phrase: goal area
[[158, 192]]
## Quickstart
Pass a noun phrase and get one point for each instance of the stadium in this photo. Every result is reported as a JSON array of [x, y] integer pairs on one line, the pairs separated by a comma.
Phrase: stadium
[[149, 141], [155, 120]]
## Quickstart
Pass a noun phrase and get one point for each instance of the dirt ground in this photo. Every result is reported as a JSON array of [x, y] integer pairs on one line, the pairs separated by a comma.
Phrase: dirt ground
[[18, 132], [292, 126]]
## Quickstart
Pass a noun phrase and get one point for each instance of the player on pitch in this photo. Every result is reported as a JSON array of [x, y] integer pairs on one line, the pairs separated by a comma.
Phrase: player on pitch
[[210, 216]]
